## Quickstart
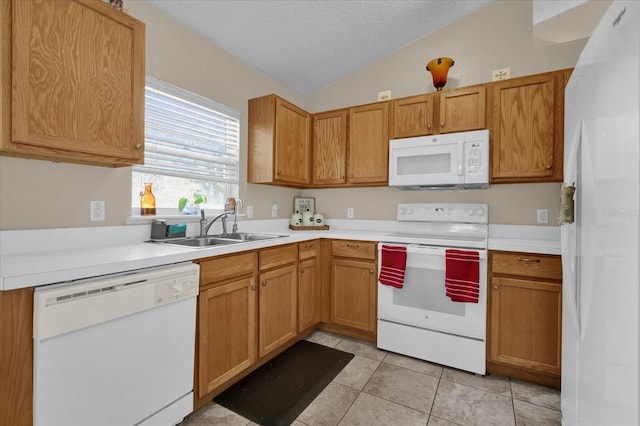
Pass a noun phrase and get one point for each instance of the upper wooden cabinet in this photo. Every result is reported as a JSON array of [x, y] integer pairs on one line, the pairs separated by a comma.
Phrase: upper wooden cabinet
[[527, 128], [448, 111], [330, 147], [368, 149], [351, 146], [279, 142], [72, 82]]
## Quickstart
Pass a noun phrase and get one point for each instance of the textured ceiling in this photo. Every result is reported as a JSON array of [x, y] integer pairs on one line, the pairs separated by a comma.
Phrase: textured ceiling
[[309, 44]]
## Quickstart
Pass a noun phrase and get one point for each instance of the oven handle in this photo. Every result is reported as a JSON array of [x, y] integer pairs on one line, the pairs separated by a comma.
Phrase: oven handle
[[424, 249]]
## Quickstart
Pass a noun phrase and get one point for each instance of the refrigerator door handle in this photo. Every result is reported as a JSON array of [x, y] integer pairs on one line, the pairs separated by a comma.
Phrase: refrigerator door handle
[[569, 247]]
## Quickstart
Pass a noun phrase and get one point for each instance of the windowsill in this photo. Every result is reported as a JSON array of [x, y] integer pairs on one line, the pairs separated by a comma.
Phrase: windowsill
[[173, 218]]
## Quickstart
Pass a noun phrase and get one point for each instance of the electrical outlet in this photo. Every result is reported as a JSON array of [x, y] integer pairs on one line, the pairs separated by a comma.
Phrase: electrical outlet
[[501, 74], [274, 210], [249, 212], [384, 96], [97, 211], [350, 213], [543, 215]]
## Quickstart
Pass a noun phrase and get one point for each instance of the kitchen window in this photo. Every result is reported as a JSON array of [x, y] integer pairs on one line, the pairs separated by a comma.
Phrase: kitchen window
[[191, 147]]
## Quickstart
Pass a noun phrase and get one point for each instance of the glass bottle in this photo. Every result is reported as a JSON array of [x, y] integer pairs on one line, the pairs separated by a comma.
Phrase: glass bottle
[[147, 201]]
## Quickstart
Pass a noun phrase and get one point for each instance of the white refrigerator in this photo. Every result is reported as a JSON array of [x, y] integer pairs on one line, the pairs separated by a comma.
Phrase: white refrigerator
[[600, 247]]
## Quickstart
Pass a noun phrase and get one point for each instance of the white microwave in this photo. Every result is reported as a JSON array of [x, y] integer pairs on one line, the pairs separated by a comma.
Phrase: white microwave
[[454, 160]]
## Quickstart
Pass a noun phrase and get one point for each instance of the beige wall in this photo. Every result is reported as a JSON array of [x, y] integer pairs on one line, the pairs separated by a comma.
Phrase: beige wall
[[39, 194], [497, 35]]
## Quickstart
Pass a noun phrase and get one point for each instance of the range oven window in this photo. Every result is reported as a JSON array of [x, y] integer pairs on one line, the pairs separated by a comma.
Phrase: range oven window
[[424, 289]]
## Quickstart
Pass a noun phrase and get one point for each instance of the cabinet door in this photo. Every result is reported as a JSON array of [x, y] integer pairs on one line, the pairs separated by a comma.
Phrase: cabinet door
[[353, 294], [16, 357], [226, 332], [278, 305], [368, 143], [307, 294], [292, 141], [412, 116], [527, 129], [462, 109], [525, 326], [78, 82], [330, 147]]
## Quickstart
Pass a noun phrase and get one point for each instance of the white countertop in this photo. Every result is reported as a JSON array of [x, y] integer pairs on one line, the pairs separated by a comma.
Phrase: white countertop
[[75, 253]]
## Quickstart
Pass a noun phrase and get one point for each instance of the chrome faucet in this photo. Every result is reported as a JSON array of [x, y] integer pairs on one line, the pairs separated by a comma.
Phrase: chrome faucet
[[235, 217], [205, 225]]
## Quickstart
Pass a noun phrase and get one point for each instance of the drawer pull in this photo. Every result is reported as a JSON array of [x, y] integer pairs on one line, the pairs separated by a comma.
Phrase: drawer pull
[[353, 245], [528, 259]]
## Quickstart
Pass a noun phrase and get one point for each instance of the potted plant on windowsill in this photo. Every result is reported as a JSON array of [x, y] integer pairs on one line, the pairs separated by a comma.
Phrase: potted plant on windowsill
[[191, 207]]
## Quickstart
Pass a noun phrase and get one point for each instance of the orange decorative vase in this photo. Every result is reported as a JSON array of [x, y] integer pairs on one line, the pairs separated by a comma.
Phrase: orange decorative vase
[[147, 201], [439, 69]]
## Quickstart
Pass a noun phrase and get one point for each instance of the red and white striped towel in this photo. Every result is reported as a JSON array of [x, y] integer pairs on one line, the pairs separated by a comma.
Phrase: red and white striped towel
[[462, 275], [393, 265]]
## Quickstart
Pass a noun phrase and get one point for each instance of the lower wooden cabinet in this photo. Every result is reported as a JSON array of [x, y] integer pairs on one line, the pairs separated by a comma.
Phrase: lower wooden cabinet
[[525, 316], [227, 327], [353, 285], [308, 285], [277, 310], [16, 357], [227, 319]]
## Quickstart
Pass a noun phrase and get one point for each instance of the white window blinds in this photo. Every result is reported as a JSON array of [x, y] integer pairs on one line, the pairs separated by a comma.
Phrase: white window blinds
[[189, 136]]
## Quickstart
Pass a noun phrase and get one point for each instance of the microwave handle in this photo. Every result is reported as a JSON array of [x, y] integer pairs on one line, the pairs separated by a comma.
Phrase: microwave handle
[[460, 158]]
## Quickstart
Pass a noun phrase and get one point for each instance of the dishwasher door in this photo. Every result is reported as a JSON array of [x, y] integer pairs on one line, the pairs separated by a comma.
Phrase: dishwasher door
[[116, 350]]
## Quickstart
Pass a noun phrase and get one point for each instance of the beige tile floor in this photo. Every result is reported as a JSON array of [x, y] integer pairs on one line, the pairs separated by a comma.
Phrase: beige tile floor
[[383, 388]]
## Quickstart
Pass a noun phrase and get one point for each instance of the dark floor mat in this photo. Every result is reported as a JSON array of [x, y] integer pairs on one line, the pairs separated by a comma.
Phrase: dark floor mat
[[276, 393]]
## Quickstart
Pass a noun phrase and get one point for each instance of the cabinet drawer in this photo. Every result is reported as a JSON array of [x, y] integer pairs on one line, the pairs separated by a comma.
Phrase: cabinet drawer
[[527, 265], [357, 249], [270, 258], [223, 268], [308, 249]]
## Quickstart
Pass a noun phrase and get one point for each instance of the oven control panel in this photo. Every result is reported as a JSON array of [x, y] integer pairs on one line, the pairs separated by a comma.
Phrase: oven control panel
[[443, 212]]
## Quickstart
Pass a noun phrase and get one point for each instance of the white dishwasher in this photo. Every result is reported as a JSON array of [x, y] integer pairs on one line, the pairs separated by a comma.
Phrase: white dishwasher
[[116, 350]]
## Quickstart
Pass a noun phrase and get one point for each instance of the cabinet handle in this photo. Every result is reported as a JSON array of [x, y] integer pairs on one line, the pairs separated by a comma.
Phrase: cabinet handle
[[350, 176], [253, 287], [528, 259], [138, 146], [549, 167], [428, 126], [442, 124], [302, 270], [371, 271], [353, 245], [264, 283], [495, 287], [342, 177]]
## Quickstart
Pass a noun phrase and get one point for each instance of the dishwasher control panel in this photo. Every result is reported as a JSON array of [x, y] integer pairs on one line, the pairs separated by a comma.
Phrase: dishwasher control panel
[[176, 288]]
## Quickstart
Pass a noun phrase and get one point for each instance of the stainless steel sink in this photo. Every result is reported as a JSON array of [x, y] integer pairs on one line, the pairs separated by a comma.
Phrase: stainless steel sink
[[219, 240], [249, 236], [200, 242]]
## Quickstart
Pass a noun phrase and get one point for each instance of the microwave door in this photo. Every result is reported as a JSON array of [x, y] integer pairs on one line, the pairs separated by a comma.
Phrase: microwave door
[[427, 165]]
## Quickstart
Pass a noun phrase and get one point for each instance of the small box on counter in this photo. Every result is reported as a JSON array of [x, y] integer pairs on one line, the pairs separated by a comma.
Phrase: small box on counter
[[160, 230]]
